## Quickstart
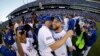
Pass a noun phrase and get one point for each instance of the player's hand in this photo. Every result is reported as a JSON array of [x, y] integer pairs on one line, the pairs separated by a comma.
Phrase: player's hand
[[70, 33]]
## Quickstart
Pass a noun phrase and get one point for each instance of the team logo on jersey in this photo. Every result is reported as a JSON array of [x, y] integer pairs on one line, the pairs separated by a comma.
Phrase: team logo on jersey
[[48, 38]]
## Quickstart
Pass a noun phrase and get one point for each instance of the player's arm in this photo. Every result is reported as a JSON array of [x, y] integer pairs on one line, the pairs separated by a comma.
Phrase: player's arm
[[60, 42], [15, 28], [52, 44], [20, 50]]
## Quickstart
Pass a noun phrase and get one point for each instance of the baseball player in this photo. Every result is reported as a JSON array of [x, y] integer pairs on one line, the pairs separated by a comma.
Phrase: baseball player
[[47, 43], [58, 34]]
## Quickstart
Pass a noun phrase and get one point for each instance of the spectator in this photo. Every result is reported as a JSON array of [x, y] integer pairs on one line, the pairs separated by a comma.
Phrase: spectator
[[4, 50]]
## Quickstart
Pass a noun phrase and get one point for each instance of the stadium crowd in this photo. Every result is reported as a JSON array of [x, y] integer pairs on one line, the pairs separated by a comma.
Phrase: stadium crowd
[[48, 35]]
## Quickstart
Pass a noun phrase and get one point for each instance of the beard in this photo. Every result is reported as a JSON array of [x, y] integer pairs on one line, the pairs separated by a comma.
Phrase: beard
[[56, 28]]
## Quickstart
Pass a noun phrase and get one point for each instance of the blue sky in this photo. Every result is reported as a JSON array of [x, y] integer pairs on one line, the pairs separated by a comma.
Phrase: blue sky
[[7, 6]]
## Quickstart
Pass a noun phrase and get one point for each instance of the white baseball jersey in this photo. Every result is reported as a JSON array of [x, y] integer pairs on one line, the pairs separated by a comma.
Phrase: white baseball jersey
[[14, 46], [62, 51], [66, 24], [45, 39], [75, 18], [28, 47]]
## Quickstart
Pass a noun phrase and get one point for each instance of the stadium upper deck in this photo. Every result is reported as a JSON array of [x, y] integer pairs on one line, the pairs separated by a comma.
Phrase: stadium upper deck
[[81, 7]]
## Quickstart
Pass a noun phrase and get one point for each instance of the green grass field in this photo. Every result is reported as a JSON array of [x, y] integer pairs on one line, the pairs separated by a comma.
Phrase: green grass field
[[0, 55], [95, 50]]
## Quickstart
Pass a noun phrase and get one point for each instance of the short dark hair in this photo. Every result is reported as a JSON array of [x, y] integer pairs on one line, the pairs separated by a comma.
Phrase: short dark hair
[[22, 18], [33, 13], [10, 23], [0, 39]]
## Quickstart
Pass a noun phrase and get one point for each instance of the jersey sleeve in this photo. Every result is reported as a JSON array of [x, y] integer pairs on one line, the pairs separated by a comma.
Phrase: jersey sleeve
[[69, 42], [48, 38]]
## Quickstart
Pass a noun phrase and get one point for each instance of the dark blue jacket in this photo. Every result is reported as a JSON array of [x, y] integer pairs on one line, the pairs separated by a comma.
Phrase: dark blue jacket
[[9, 38], [71, 24], [93, 37], [6, 52]]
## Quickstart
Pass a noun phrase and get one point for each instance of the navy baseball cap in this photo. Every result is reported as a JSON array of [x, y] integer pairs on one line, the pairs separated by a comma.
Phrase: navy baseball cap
[[48, 18], [20, 28], [58, 17], [42, 18]]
